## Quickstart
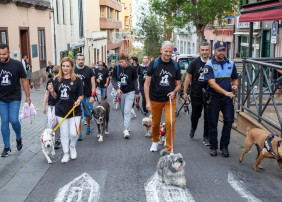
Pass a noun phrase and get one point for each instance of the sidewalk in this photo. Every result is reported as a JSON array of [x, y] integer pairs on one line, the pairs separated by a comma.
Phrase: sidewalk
[[31, 132]]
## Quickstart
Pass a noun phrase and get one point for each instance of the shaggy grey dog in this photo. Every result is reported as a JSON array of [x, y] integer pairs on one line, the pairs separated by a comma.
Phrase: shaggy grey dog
[[170, 169]]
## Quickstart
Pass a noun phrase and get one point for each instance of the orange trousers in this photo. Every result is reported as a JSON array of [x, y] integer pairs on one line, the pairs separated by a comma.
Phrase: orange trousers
[[157, 108]]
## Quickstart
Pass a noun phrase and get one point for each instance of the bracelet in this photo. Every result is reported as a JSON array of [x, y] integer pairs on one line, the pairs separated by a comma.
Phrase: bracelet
[[28, 98]]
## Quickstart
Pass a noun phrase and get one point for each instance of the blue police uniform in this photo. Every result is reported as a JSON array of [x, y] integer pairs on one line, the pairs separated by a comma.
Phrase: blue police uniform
[[222, 72]]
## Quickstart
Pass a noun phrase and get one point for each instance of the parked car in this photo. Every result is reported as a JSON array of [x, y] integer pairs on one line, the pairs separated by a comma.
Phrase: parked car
[[184, 60]]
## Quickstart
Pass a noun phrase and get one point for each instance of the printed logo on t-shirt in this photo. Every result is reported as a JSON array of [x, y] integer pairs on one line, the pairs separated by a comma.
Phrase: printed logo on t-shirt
[[145, 74], [165, 78], [82, 77], [202, 71], [123, 79], [5, 78], [64, 89], [100, 76]]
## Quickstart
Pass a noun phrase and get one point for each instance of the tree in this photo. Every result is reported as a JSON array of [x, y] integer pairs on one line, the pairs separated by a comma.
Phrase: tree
[[179, 13], [151, 29]]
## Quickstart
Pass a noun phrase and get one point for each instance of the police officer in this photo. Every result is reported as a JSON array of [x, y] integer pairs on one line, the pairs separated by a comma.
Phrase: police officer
[[220, 71], [195, 73]]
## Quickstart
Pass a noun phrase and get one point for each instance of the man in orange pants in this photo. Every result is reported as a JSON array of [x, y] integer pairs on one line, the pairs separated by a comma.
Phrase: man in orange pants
[[162, 82]]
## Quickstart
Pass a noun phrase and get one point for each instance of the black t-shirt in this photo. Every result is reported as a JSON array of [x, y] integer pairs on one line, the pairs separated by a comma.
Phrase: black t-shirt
[[10, 75], [49, 69], [85, 75], [102, 75], [197, 69], [142, 73], [163, 80], [67, 93], [127, 77], [51, 100]]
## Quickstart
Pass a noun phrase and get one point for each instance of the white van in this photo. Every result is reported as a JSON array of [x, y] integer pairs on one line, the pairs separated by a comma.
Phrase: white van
[[184, 60]]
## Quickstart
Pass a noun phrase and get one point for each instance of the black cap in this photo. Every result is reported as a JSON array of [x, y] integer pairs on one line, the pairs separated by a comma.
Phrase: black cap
[[219, 45]]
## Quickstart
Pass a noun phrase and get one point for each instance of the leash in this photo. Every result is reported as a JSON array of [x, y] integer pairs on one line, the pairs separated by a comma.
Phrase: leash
[[170, 109], [76, 128], [72, 109]]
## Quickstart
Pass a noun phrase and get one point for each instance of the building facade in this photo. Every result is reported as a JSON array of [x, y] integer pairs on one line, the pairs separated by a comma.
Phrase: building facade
[[126, 17], [27, 31]]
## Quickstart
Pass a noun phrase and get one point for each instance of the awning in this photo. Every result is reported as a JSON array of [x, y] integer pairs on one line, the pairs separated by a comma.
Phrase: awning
[[263, 12]]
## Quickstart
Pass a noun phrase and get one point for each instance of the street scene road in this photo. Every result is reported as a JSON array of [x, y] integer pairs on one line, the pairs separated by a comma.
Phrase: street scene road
[[119, 169]]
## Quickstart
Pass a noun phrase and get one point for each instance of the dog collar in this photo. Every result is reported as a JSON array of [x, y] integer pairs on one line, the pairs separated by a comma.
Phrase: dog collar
[[101, 107], [268, 146], [278, 143]]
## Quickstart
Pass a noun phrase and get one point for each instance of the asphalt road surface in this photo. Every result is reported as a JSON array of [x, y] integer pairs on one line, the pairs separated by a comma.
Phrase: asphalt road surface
[[118, 169]]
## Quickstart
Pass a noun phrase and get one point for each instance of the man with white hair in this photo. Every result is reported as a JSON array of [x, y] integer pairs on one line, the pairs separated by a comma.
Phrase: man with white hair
[[162, 82]]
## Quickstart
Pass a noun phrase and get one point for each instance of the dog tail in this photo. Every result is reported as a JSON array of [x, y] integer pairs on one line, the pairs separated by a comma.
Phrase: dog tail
[[164, 152]]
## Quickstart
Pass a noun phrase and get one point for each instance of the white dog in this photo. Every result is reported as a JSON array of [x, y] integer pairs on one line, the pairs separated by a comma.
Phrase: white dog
[[47, 142], [147, 122], [162, 131], [170, 169]]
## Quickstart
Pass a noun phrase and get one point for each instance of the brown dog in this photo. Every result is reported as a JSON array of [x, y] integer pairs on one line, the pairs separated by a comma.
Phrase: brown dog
[[258, 136]]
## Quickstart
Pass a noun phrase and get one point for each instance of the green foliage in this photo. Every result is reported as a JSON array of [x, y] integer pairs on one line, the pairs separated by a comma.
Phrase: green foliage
[[151, 29], [179, 13]]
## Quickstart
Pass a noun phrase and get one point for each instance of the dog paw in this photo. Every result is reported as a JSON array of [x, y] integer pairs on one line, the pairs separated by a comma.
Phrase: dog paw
[[107, 133], [98, 135], [146, 135], [49, 161], [100, 139], [160, 142]]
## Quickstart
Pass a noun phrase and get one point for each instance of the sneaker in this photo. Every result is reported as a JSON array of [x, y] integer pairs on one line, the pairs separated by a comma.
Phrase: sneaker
[[73, 153], [154, 147], [213, 152], [225, 152], [57, 144], [192, 133], [85, 123], [19, 144], [79, 137], [126, 134], [133, 114], [87, 130], [206, 141], [65, 158], [6, 152]]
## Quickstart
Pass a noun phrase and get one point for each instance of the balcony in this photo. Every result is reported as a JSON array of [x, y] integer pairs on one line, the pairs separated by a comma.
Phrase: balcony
[[107, 23], [42, 5], [5, 1], [114, 4], [113, 45], [25, 3]]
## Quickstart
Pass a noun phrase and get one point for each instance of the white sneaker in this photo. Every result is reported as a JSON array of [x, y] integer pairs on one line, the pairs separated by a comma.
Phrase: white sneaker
[[73, 153], [126, 134], [154, 147], [133, 113], [65, 158]]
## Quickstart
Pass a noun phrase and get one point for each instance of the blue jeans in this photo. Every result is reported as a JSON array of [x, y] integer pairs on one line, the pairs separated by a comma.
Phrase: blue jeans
[[101, 92], [126, 102], [225, 105], [9, 112]]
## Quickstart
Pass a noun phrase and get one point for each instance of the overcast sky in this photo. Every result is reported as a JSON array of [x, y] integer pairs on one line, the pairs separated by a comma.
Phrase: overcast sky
[[136, 4]]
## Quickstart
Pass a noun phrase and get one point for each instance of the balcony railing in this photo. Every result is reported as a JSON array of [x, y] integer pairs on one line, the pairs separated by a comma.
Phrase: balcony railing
[[42, 5], [25, 3], [5, 1]]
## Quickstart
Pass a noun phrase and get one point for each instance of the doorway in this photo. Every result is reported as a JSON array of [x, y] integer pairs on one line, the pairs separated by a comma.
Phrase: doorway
[[265, 49], [24, 40]]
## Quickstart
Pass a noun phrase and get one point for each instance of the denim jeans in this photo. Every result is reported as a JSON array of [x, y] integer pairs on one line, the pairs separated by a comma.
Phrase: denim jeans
[[126, 102], [101, 92], [9, 112]]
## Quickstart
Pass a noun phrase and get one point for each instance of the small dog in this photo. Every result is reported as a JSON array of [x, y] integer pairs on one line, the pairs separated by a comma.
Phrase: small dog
[[170, 169], [101, 115], [260, 137], [147, 122], [47, 143], [162, 132]]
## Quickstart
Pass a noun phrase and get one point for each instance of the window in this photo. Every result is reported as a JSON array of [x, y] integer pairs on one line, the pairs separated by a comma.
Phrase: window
[[57, 12], [117, 15], [63, 11], [71, 20], [189, 48], [80, 15], [4, 35], [108, 12], [193, 48], [181, 47], [185, 50], [42, 47]]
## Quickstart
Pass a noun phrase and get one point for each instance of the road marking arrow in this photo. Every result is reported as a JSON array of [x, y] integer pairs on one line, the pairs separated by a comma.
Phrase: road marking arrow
[[82, 188], [240, 187], [157, 191]]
